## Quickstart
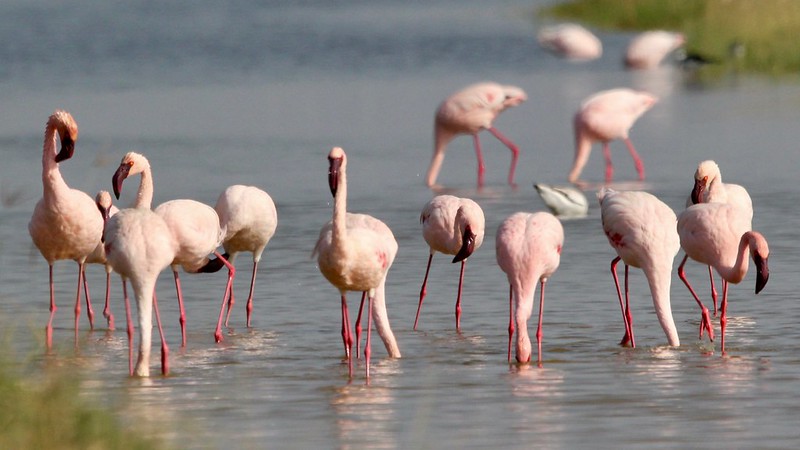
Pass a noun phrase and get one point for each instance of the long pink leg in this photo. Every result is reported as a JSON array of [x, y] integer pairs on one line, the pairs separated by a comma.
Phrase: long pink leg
[[458, 299], [252, 290], [705, 318], [609, 166], [358, 324], [628, 313], [107, 309], [130, 325], [368, 345], [164, 347], [48, 329], [723, 311], [713, 289], [78, 302], [636, 160], [627, 336], [539, 334], [423, 291], [479, 154], [514, 153], [510, 319], [89, 309], [182, 318], [347, 338], [228, 289], [231, 302]]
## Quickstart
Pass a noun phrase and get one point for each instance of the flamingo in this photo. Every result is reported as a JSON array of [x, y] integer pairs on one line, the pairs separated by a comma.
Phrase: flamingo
[[249, 217], [528, 248], [468, 112], [605, 116], [563, 201], [648, 49], [98, 256], [139, 245], [453, 226], [708, 187], [571, 41], [196, 229], [354, 253], [65, 223], [641, 229], [719, 235]]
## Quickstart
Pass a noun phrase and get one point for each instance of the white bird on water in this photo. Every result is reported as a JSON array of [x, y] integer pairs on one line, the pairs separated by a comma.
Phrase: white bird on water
[[563, 201]]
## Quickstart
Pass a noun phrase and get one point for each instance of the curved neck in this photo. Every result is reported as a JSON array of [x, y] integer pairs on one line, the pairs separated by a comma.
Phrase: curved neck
[[51, 176], [583, 146], [144, 197], [441, 137], [735, 273], [659, 281]]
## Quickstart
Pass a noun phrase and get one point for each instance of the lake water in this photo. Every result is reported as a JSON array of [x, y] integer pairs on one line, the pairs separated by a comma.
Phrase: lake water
[[258, 93]]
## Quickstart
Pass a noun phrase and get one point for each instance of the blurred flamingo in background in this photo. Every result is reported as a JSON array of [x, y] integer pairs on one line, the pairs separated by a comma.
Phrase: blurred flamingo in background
[[647, 50], [571, 41], [468, 112]]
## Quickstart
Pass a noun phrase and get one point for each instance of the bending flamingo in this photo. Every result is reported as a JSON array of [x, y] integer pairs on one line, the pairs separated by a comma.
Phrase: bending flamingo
[[468, 112], [604, 117], [641, 229], [528, 248], [249, 217], [708, 187], [98, 256], [453, 226], [719, 235], [355, 252], [65, 223], [648, 49], [139, 245], [571, 41], [196, 230]]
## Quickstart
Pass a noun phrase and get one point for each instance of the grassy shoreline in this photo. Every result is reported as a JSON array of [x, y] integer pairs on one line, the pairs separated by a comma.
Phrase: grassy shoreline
[[765, 32]]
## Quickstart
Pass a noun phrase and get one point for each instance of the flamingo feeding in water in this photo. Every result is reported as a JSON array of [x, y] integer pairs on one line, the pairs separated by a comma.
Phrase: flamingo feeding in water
[[453, 226], [708, 187], [354, 253], [641, 229], [65, 223], [528, 248], [468, 112], [98, 256], [571, 41], [139, 245], [648, 49], [604, 117], [719, 235], [249, 218]]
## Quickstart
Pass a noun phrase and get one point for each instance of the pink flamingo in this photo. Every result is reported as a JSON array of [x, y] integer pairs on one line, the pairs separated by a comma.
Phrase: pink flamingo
[[719, 235], [468, 112], [139, 245], [571, 41], [606, 116], [355, 252], [453, 226], [65, 223], [98, 256], [708, 187], [528, 248], [641, 229], [249, 217], [648, 49]]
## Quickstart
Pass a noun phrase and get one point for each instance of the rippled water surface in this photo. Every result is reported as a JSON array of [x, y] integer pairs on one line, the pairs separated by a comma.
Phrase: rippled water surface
[[258, 93]]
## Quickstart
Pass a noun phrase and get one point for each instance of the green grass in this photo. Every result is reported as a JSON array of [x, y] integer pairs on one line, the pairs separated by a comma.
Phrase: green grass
[[49, 413], [767, 30]]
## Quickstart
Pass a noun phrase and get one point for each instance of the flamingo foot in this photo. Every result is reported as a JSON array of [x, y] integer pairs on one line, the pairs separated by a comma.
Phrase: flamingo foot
[[626, 340]]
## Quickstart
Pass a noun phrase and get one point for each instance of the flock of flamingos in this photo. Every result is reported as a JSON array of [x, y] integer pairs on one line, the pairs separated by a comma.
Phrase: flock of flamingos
[[355, 251]]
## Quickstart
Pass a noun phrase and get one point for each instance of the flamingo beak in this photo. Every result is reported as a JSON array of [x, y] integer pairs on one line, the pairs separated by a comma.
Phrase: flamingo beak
[[67, 149], [762, 272], [467, 245], [119, 176], [697, 191], [333, 174]]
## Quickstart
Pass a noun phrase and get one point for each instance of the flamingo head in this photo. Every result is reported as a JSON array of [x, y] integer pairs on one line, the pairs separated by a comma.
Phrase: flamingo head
[[514, 96], [336, 160], [707, 172], [467, 244], [67, 132], [762, 269], [698, 189], [132, 163]]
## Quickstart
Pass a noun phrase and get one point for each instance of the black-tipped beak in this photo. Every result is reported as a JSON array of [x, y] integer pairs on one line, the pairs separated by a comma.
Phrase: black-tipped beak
[[333, 174], [213, 265], [67, 149], [467, 245], [762, 272], [697, 191], [119, 176]]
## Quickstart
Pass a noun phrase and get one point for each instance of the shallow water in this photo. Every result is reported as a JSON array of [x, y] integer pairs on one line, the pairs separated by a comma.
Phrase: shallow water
[[259, 93]]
